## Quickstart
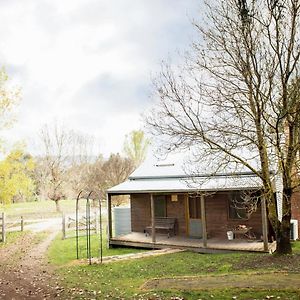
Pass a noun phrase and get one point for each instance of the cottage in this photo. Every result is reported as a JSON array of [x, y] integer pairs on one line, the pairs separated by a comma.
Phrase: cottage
[[169, 208]]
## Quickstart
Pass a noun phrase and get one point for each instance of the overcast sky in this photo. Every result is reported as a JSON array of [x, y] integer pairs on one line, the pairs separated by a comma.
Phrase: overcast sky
[[88, 63]]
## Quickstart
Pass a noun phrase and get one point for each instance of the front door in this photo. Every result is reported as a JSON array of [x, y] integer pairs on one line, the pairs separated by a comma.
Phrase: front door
[[160, 206], [194, 213]]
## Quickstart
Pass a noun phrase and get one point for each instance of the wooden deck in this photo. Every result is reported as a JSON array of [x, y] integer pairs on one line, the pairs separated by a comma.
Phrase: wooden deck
[[138, 239]]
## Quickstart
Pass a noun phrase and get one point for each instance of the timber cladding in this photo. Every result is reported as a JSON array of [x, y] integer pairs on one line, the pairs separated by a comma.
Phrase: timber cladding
[[218, 220], [141, 212], [176, 209], [217, 214], [296, 208]]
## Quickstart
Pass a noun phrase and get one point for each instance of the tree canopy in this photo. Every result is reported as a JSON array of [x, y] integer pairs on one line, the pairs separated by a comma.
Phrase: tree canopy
[[235, 100], [15, 177], [9, 98], [135, 146]]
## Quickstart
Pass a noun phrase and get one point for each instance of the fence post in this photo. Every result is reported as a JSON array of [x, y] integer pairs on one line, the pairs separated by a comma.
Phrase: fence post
[[96, 222], [3, 228], [22, 223], [63, 226]]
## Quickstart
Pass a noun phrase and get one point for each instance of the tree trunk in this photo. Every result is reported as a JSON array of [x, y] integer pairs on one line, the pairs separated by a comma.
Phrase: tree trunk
[[57, 206], [283, 238], [282, 229]]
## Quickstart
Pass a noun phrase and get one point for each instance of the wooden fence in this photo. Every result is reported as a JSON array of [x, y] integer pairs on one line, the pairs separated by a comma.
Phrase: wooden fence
[[69, 226], [2, 226], [6, 226]]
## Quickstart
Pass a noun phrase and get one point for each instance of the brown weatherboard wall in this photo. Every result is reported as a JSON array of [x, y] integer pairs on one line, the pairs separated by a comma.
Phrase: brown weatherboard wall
[[217, 217], [176, 210], [141, 212], [296, 208], [218, 221]]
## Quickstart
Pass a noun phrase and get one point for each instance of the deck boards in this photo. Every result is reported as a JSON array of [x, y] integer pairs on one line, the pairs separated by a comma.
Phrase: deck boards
[[139, 239]]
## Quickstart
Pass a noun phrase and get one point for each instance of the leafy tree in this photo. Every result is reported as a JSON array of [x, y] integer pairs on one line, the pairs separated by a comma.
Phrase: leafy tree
[[135, 146], [233, 102], [15, 179], [9, 98]]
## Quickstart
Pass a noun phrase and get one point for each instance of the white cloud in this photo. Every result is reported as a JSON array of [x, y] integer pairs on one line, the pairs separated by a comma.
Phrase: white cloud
[[88, 62]]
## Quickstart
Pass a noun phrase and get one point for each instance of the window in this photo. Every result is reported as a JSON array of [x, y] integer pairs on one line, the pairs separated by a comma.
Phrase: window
[[194, 207], [236, 209], [160, 206]]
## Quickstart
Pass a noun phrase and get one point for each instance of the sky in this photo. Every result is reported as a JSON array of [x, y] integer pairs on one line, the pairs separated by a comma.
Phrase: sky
[[88, 64]]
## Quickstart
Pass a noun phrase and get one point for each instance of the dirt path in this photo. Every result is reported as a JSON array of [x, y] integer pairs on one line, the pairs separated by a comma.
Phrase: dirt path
[[280, 280], [24, 271]]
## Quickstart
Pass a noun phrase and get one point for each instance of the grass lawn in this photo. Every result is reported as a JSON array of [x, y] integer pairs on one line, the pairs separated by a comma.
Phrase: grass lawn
[[125, 279], [39, 209], [62, 252]]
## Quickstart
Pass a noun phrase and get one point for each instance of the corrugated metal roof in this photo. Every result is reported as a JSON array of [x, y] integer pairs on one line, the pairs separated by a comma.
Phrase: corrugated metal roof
[[171, 165], [176, 184], [169, 175]]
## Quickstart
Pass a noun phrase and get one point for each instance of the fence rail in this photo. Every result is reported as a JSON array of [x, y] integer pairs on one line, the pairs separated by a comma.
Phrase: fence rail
[[6, 226], [69, 226]]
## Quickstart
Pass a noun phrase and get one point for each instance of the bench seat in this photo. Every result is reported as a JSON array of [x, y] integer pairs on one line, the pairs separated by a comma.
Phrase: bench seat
[[167, 225]]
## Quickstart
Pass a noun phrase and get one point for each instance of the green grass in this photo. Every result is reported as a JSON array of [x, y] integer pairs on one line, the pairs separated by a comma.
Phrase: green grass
[[39, 209], [123, 279], [11, 237], [62, 252], [296, 247]]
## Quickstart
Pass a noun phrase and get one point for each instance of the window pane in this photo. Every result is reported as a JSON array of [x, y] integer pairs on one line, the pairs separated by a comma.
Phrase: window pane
[[194, 207]]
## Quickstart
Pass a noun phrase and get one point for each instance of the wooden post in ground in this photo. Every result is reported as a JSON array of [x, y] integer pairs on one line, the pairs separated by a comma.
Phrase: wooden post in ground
[[264, 223], [22, 223], [3, 228], [203, 220], [96, 222], [187, 226], [63, 226], [109, 219], [153, 233]]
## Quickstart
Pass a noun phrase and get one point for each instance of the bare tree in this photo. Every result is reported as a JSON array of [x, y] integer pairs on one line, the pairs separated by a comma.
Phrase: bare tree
[[234, 101], [104, 174], [56, 142], [116, 170], [94, 177], [80, 159]]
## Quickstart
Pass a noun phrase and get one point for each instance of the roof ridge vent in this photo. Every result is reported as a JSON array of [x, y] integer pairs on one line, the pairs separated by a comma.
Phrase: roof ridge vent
[[164, 165]]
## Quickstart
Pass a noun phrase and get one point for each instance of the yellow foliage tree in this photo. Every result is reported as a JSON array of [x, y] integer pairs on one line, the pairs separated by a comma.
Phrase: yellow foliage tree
[[136, 146], [9, 98], [15, 180]]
